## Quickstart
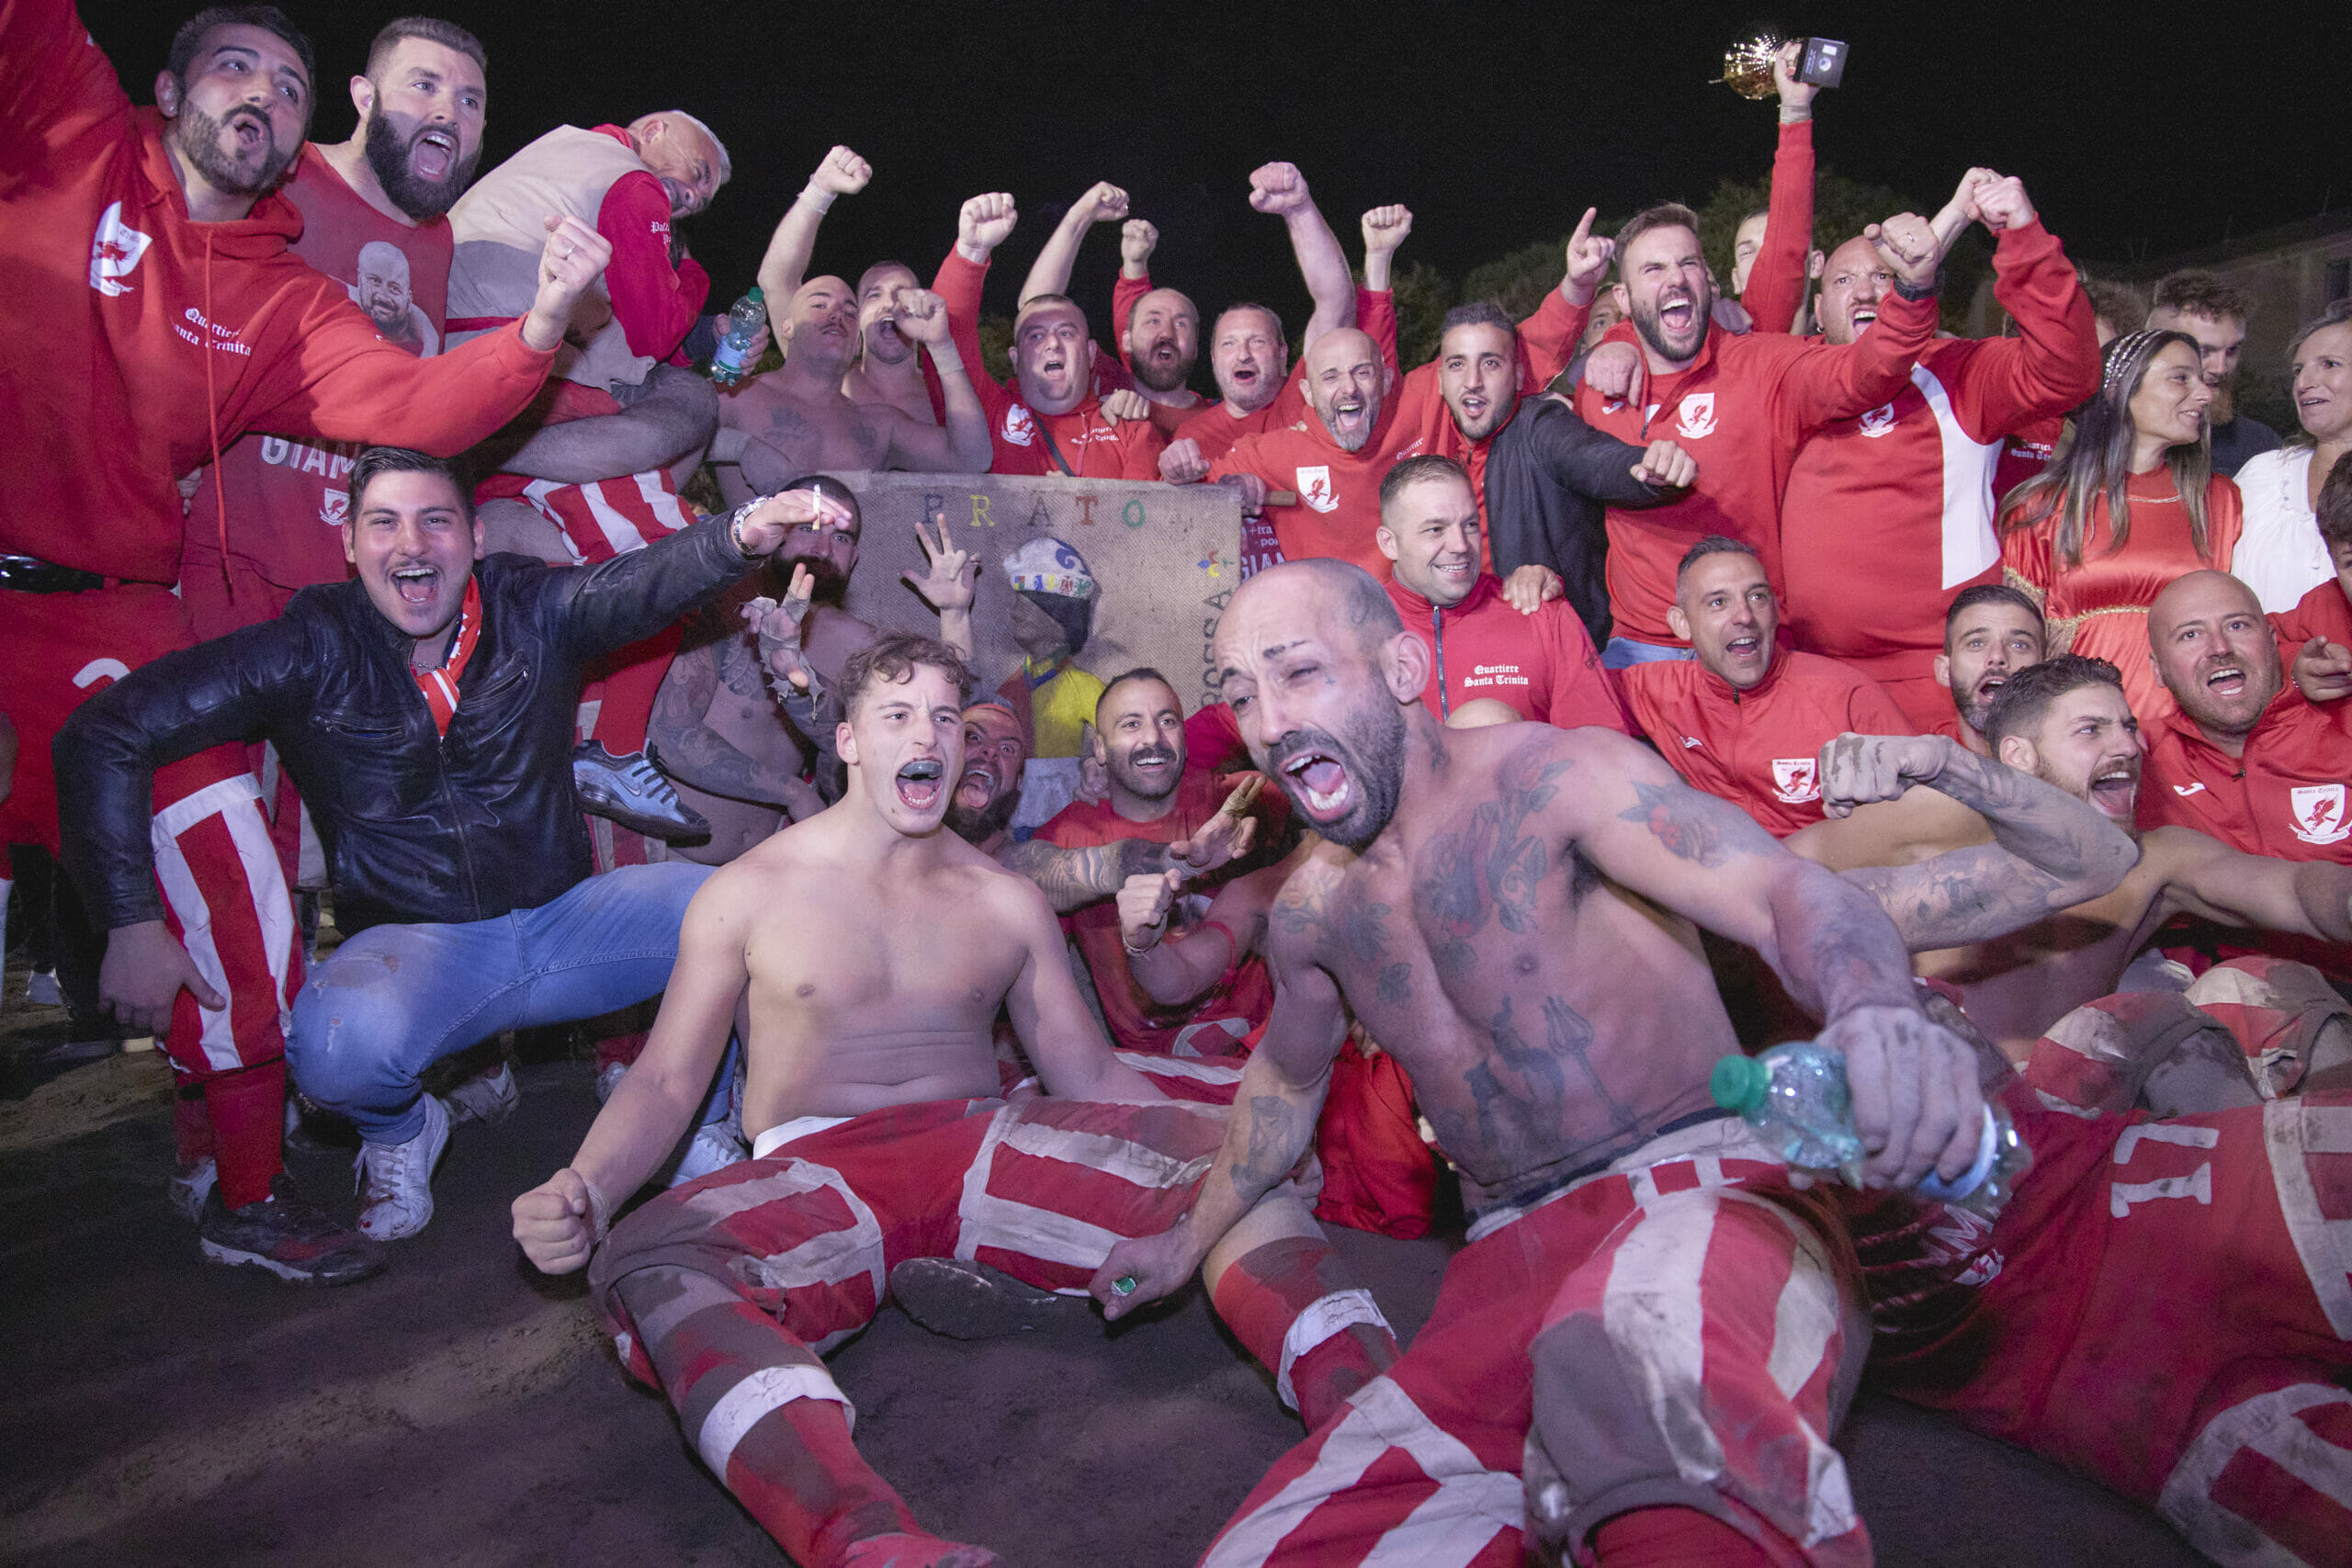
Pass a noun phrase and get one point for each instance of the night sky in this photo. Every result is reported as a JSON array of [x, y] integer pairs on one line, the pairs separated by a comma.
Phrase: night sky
[[1495, 124]]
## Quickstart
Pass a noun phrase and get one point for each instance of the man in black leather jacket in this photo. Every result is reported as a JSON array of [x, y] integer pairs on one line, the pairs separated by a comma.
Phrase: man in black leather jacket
[[425, 709]]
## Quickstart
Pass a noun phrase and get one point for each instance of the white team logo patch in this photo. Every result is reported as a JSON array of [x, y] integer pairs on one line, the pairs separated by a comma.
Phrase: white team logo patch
[[1796, 779], [1880, 420], [1314, 488], [2319, 814], [1696, 416], [334, 506], [98, 670], [115, 250], [1020, 425]]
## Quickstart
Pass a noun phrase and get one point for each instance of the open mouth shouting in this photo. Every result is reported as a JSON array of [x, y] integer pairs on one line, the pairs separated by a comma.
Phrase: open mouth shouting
[[416, 584], [2224, 678], [1351, 421], [1745, 651], [976, 788], [1319, 785], [1678, 314], [2115, 789], [434, 153], [1861, 317], [922, 784]]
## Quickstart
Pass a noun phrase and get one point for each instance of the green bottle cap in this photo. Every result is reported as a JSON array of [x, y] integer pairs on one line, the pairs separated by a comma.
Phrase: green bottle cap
[[1740, 1083], [756, 296]]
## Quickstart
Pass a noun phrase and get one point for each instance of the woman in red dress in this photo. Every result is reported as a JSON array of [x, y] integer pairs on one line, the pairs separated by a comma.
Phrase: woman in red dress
[[2130, 503]]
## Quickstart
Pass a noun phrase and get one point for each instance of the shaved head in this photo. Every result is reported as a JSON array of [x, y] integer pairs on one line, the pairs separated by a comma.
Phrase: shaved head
[[1346, 381], [2214, 651], [2195, 593]]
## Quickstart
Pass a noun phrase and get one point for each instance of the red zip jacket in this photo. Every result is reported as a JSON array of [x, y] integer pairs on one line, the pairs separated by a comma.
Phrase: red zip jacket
[[1542, 665], [1890, 514], [1094, 447], [139, 344], [1760, 749], [1777, 280], [1212, 424], [2286, 796], [1741, 408], [656, 302], [1339, 492]]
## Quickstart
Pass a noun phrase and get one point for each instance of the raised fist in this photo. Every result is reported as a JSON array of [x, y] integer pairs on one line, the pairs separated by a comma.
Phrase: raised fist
[[1137, 239], [843, 172], [984, 223], [2001, 202], [1856, 770], [1908, 246], [921, 315], [1105, 202], [1279, 190], [1386, 228]]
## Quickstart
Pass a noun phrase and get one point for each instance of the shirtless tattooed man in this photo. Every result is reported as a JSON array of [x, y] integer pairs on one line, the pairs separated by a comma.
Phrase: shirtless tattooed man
[[862, 956], [1651, 1322]]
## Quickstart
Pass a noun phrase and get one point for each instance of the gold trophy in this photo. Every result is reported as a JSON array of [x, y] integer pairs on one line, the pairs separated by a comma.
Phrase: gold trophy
[[1747, 64]]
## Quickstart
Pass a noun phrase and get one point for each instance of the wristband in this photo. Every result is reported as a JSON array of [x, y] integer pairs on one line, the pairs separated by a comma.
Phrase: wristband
[[735, 526], [823, 198], [1933, 286], [1790, 115], [1159, 925]]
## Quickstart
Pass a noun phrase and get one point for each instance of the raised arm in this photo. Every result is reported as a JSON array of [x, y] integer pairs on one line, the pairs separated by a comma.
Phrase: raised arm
[[2054, 362], [2050, 852], [786, 266], [561, 1221], [959, 444], [1280, 189], [1916, 1102], [1776, 279], [984, 223], [1274, 1110], [1049, 274], [1057, 1028], [1174, 969], [1384, 229], [2208, 878], [1071, 879], [1826, 382]]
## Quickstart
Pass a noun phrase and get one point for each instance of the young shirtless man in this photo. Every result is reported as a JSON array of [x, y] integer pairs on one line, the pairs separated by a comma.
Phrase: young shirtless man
[[1508, 909], [861, 957], [2065, 722]]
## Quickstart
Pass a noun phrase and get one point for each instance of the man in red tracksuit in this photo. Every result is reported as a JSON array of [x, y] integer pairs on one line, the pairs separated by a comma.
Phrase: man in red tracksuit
[[1049, 421], [2246, 759], [1542, 665], [1365, 420], [1739, 405], [148, 254], [1889, 513], [1740, 719], [1155, 796]]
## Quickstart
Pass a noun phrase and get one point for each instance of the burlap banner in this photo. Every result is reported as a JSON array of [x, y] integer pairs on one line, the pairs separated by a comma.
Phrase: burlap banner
[[1164, 559]]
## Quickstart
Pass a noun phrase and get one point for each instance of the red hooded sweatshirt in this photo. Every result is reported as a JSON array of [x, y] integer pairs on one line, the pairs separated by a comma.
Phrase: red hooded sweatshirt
[[1890, 514], [1741, 408], [1542, 665], [1760, 749], [140, 342]]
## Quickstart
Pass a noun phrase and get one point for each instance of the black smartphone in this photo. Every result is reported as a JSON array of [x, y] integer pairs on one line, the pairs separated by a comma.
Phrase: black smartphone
[[1825, 61]]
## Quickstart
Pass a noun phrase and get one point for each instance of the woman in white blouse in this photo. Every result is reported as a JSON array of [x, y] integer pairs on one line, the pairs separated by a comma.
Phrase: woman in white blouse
[[2280, 555]]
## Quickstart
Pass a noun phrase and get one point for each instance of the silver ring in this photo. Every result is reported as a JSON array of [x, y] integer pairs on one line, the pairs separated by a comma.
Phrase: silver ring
[[567, 249]]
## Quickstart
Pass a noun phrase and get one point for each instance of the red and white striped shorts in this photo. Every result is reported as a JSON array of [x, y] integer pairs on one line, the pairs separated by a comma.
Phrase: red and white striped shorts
[[1684, 1329], [1039, 1188]]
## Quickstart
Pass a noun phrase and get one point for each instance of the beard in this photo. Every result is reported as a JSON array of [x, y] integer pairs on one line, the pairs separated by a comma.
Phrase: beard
[[1972, 708], [827, 585], [976, 828], [197, 136], [1374, 754], [1156, 377], [387, 152], [1123, 769], [1645, 322]]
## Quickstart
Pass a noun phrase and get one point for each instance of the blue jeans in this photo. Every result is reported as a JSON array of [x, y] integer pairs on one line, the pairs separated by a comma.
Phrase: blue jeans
[[1624, 651], [396, 998]]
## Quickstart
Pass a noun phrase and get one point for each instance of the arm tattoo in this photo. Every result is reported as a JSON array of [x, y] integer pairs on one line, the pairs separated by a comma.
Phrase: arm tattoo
[[1966, 896], [689, 750], [1274, 1144], [1071, 879], [1692, 825]]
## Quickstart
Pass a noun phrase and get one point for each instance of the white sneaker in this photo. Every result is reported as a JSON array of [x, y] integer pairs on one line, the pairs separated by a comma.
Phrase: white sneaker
[[711, 1150], [190, 1183], [397, 1179], [488, 1098]]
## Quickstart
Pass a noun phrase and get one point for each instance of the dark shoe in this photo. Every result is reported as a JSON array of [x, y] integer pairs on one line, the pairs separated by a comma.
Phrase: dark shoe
[[630, 791], [972, 1300], [287, 1234]]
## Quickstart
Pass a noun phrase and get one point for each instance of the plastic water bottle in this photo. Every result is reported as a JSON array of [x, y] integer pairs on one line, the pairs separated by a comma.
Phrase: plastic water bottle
[[1796, 1099], [734, 352]]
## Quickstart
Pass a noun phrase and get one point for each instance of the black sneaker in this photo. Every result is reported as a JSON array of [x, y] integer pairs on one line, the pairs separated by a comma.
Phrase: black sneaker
[[288, 1236], [632, 792], [972, 1300]]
